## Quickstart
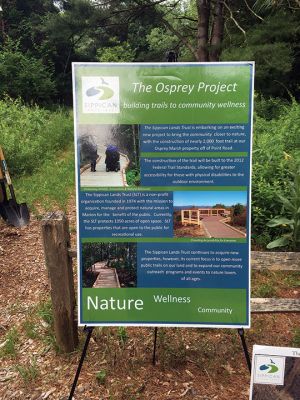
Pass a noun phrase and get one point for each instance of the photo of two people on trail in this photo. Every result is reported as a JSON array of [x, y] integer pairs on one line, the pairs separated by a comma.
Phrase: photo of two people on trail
[[112, 159], [109, 155], [89, 154]]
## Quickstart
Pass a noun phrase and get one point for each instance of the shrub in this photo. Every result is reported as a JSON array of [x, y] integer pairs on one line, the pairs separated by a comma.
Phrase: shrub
[[289, 221], [269, 108], [22, 75], [276, 148], [133, 177], [31, 135]]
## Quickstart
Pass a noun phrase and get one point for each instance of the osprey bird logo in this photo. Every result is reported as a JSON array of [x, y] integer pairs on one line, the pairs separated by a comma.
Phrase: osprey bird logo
[[103, 90]]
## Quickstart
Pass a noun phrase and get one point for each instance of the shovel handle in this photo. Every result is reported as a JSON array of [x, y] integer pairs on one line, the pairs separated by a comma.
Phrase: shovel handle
[[4, 167], [1, 158], [6, 173]]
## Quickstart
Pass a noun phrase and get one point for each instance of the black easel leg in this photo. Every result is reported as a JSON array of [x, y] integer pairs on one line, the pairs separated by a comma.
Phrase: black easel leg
[[89, 331], [241, 333], [154, 346]]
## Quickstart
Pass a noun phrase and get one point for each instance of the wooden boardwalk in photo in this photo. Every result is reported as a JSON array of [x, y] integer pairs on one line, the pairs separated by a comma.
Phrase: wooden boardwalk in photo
[[107, 277], [218, 229], [101, 178]]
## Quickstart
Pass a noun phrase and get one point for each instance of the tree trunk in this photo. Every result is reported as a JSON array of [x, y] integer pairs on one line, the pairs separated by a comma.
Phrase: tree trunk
[[217, 31], [203, 10]]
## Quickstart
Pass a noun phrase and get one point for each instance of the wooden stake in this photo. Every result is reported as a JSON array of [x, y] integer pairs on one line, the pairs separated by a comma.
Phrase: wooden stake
[[56, 240]]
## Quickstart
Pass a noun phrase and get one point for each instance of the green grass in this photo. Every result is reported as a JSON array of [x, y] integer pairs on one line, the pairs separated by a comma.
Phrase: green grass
[[265, 290], [273, 283], [28, 372], [296, 338], [292, 280], [10, 347], [44, 311], [101, 376], [39, 326], [122, 335], [51, 185], [30, 329]]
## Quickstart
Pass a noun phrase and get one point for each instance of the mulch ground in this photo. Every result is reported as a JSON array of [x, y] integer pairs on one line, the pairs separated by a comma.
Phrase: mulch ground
[[198, 364]]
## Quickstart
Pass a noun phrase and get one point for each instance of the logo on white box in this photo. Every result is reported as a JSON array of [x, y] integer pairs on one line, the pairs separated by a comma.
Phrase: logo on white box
[[269, 370], [100, 94]]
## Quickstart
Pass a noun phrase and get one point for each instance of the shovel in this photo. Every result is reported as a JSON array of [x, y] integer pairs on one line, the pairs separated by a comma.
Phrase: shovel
[[13, 213], [3, 196]]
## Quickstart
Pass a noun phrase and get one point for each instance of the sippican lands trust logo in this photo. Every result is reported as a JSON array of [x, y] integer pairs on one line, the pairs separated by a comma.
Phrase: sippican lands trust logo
[[269, 371], [103, 91], [269, 368], [100, 94]]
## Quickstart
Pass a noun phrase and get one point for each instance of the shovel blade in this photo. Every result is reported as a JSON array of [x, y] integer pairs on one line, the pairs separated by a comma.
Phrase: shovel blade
[[15, 214]]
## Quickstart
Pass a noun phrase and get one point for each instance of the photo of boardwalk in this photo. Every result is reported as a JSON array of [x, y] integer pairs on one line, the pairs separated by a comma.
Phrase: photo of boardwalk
[[107, 276], [223, 216], [109, 265]]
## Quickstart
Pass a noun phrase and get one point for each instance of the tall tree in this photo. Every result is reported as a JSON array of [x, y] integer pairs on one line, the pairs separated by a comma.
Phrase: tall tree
[[203, 10], [217, 31], [201, 31]]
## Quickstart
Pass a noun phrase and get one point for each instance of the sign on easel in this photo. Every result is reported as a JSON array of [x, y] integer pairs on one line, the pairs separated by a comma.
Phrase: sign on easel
[[163, 159]]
